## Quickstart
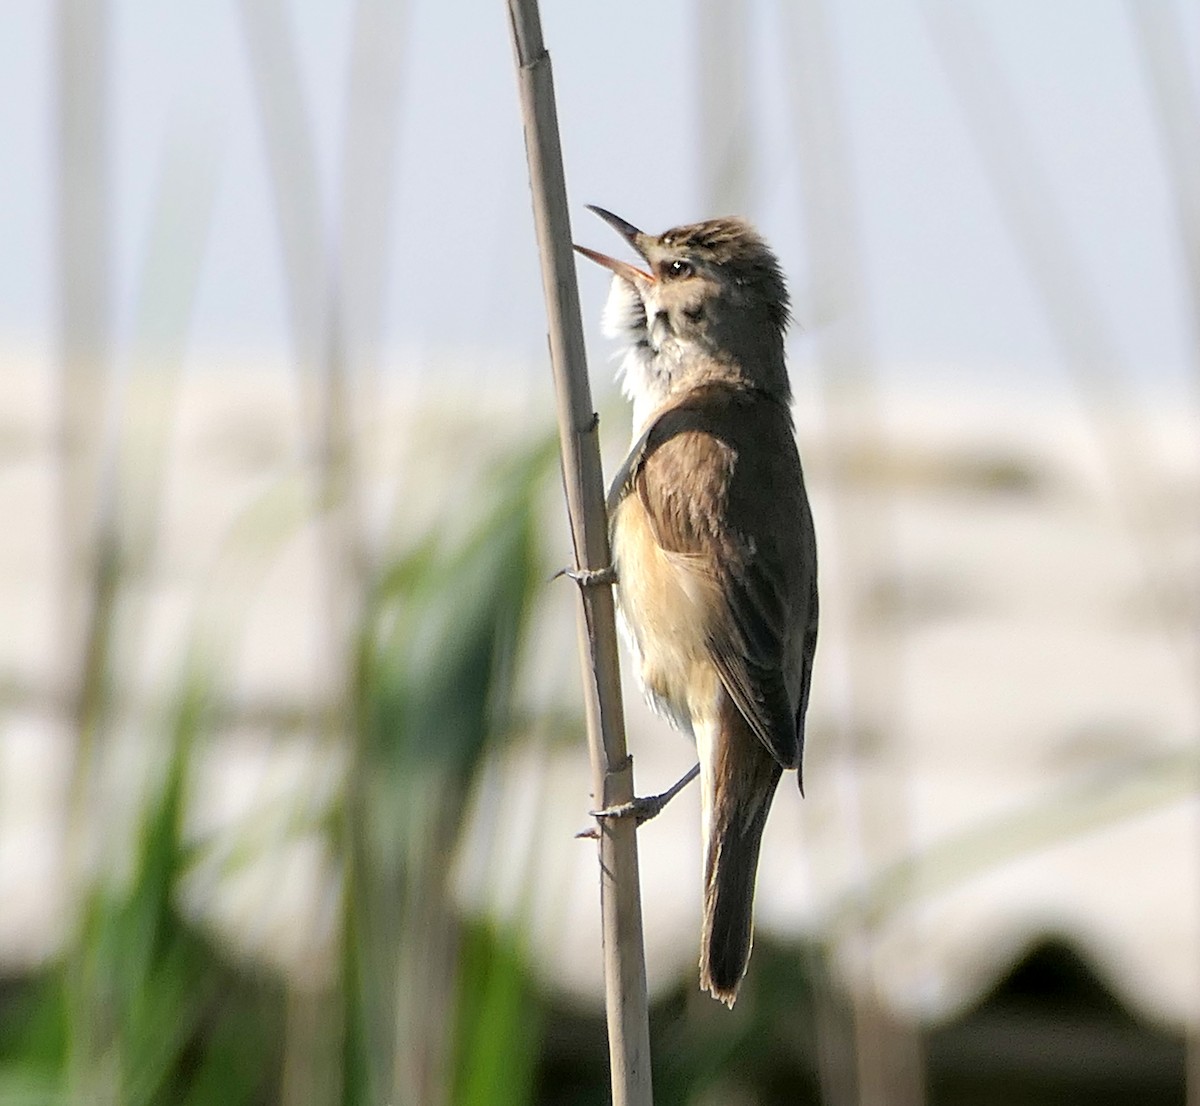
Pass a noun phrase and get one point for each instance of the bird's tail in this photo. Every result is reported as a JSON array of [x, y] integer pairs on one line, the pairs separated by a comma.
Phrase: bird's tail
[[742, 780]]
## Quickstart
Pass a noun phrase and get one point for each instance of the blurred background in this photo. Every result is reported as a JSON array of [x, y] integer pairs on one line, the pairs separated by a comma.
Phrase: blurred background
[[291, 745]]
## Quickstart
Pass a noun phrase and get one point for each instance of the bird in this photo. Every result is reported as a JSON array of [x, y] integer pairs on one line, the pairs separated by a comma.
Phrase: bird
[[714, 557]]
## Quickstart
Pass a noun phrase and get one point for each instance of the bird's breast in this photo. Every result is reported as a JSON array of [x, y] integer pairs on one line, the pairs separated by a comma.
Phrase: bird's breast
[[667, 605]]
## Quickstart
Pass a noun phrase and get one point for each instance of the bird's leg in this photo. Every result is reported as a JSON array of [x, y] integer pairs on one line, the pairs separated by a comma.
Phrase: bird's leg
[[646, 807]]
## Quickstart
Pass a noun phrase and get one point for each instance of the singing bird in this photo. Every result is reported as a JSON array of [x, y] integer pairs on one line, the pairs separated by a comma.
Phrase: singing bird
[[714, 553]]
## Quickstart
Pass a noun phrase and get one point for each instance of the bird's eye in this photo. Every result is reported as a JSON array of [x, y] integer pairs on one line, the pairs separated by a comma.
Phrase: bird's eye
[[679, 268]]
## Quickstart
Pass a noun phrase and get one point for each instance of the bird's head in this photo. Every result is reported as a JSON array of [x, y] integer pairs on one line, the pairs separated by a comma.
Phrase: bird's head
[[710, 299]]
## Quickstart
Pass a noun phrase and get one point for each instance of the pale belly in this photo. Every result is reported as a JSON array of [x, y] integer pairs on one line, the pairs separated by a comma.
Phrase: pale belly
[[666, 605]]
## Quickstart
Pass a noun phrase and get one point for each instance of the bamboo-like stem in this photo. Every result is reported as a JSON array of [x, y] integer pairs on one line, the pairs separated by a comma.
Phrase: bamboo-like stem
[[612, 768]]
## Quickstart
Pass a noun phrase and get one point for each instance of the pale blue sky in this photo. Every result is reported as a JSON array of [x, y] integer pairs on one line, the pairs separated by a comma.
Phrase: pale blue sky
[[946, 289]]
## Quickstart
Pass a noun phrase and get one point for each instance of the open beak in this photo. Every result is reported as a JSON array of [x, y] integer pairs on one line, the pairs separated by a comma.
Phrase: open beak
[[632, 235], [631, 273]]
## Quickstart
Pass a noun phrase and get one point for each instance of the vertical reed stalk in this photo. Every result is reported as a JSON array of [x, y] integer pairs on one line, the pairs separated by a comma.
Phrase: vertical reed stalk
[[612, 768]]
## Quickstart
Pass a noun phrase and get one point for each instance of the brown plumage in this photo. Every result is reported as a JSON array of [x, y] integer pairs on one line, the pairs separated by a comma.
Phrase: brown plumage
[[713, 541]]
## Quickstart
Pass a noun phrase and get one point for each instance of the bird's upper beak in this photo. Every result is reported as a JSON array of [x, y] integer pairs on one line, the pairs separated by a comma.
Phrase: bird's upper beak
[[632, 235]]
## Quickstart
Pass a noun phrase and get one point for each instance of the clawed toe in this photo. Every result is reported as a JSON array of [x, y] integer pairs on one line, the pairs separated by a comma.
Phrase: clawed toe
[[590, 577], [643, 808]]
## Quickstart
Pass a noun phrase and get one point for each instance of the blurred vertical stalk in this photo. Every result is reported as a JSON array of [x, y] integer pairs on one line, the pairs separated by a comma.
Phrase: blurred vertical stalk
[[626, 998], [389, 1047], [146, 397], [314, 313], [107, 1057], [888, 1059], [84, 292], [87, 566], [368, 185], [1165, 66]]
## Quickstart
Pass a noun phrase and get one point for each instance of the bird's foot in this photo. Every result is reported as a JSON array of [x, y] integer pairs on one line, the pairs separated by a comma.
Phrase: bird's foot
[[644, 807], [589, 577]]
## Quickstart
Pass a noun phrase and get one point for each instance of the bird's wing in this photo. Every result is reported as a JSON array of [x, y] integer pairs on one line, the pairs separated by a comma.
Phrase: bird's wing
[[748, 649], [682, 470]]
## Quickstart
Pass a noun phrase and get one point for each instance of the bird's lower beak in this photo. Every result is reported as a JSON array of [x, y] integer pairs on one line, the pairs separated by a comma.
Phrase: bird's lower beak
[[632, 235], [631, 273]]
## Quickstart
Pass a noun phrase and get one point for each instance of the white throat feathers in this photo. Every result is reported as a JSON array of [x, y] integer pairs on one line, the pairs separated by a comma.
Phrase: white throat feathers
[[651, 354]]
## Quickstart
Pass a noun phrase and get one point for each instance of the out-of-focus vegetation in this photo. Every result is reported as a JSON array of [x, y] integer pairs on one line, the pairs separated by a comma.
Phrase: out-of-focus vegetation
[[143, 1007], [433, 694]]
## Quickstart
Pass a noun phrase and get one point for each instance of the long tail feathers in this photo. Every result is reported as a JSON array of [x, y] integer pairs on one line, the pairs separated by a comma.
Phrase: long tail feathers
[[744, 778]]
